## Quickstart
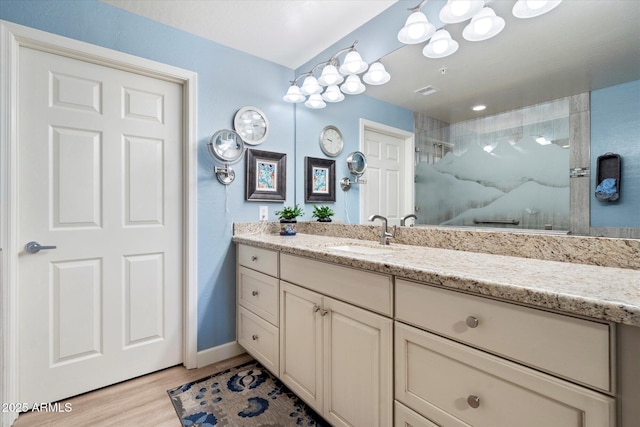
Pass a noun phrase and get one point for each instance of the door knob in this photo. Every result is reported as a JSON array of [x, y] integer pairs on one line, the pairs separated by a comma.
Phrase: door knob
[[35, 247]]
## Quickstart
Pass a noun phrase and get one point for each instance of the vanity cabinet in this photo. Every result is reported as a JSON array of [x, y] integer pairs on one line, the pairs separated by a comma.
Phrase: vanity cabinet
[[334, 355], [452, 383], [257, 314], [349, 341]]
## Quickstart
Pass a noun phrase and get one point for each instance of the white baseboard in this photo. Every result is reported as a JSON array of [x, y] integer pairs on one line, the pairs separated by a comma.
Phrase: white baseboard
[[219, 353]]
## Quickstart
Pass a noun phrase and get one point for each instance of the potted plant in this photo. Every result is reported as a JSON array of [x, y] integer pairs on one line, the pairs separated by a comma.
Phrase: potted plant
[[323, 213], [288, 220]]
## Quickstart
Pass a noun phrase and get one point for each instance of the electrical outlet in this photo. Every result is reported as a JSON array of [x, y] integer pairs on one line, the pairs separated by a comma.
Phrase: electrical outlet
[[264, 213]]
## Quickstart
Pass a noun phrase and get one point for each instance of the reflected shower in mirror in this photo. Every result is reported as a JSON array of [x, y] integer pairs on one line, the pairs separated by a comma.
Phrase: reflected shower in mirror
[[507, 170]]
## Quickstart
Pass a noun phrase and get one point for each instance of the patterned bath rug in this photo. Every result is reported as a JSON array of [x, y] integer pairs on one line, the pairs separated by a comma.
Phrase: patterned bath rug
[[247, 395]]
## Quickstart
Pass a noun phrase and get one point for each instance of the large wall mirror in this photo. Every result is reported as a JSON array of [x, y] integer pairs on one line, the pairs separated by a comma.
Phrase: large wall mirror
[[508, 165]]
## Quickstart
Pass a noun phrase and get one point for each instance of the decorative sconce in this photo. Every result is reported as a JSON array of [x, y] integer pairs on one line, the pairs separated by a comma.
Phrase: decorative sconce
[[337, 78], [228, 147], [484, 23]]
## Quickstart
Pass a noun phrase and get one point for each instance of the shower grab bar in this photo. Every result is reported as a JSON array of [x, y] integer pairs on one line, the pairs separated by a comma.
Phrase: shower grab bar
[[496, 221]]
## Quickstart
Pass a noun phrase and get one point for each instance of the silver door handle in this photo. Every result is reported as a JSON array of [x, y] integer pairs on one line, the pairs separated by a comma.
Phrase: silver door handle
[[35, 247]]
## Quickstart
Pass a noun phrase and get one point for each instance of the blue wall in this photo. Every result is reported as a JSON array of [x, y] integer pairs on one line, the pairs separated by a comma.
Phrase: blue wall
[[615, 127], [227, 80]]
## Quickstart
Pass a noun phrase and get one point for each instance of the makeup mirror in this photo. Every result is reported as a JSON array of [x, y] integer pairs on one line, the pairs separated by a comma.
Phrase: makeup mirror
[[228, 147], [357, 164]]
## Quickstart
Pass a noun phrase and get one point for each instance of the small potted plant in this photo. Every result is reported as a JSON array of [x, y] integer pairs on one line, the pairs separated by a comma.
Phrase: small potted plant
[[323, 213], [288, 220]]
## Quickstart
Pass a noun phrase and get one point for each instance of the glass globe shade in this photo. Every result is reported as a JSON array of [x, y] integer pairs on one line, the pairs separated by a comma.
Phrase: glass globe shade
[[483, 25], [460, 7], [536, 4], [310, 86], [440, 46]]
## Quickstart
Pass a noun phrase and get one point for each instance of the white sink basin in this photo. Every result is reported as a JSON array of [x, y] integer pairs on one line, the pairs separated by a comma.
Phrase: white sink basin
[[364, 250]]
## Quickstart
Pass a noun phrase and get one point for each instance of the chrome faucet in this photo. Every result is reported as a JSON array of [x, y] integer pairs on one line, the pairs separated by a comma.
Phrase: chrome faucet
[[405, 218], [384, 234]]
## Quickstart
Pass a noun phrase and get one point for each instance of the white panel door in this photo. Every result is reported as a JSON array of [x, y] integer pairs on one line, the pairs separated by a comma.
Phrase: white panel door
[[384, 192], [99, 177]]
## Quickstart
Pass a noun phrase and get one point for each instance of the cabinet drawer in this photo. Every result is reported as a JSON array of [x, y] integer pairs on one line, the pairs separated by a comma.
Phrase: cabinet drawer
[[573, 348], [258, 293], [259, 338], [259, 259], [441, 379], [362, 288], [405, 417]]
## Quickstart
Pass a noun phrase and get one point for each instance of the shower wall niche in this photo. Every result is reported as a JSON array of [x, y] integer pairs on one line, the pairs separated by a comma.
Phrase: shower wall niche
[[508, 170]]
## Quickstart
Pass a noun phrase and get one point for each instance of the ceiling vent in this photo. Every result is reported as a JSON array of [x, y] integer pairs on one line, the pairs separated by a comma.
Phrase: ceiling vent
[[427, 90]]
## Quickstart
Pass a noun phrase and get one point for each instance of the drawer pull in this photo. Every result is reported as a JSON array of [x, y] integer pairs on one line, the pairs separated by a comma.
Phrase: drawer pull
[[473, 401], [254, 258], [472, 322], [254, 337], [254, 293]]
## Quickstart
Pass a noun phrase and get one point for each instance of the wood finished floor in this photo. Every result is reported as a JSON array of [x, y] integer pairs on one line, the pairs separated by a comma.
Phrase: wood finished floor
[[140, 402]]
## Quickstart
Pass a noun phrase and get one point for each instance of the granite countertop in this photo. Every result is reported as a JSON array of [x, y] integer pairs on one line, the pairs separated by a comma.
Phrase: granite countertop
[[607, 293]]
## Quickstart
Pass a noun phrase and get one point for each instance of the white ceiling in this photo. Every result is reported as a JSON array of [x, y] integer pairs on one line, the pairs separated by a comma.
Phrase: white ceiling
[[580, 46], [287, 32]]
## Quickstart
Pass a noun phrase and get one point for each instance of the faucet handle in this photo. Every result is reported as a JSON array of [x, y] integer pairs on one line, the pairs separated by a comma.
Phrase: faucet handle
[[391, 235]]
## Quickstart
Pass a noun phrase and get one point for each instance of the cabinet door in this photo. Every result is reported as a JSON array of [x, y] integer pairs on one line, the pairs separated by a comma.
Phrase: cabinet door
[[300, 343], [358, 366]]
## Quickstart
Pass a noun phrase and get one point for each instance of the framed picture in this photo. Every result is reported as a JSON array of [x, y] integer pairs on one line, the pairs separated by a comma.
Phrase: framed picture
[[319, 180], [266, 175]]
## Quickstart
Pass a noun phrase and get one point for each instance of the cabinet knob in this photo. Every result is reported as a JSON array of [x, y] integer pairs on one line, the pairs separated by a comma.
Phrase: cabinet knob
[[254, 258], [473, 401], [254, 293], [254, 337], [316, 308], [323, 312], [472, 322]]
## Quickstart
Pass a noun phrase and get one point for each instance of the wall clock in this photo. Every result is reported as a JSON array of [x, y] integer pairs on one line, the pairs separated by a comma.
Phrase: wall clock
[[331, 142], [252, 125]]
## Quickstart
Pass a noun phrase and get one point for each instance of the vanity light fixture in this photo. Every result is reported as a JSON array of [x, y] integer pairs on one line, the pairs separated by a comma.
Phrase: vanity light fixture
[[460, 10], [333, 94], [352, 86], [484, 23], [417, 28], [336, 79], [440, 45], [532, 8], [377, 74], [315, 102]]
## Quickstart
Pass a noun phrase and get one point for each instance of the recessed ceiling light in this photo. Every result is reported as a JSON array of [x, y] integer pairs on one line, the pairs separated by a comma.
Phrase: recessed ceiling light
[[478, 107]]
